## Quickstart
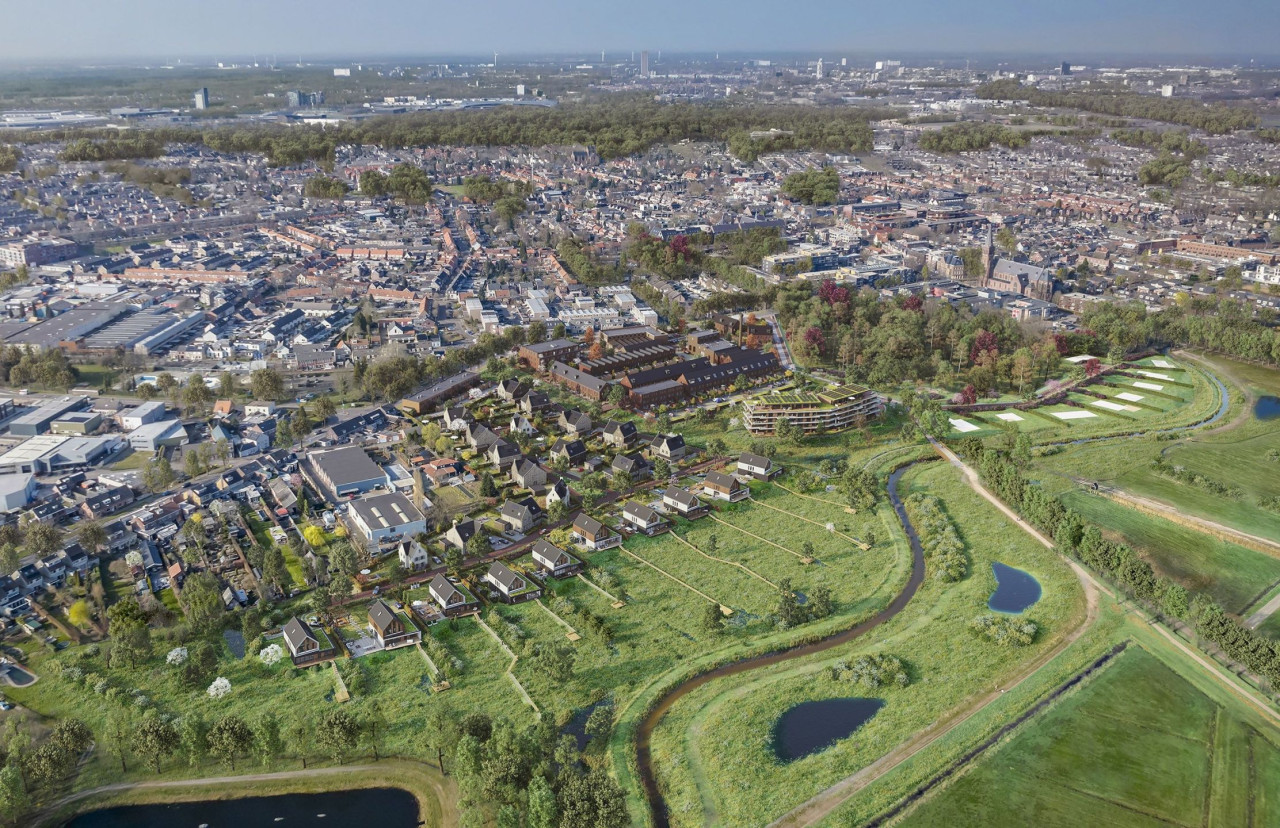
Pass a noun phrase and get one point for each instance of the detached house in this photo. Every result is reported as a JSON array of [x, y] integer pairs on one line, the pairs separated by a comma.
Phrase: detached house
[[512, 586], [527, 474], [453, 599], [554, 560], [393, 629], [667, 446], [534, 401], [575, 451], [503, 454], [458, 534], [457, 418], [520, 425], [682, 502], [632, 464], [480, 437], [307, 645], [643, 518], [620, 435], [413, 555], [593, 534], [521, 516], [575, 423], [512, 390], [755, 466], [559, 493], [723, 486]]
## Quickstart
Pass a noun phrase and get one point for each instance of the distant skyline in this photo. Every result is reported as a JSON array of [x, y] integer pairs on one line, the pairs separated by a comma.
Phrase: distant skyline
[[82, 31]]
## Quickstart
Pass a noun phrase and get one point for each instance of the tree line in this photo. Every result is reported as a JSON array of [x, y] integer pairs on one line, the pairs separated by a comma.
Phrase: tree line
[[1216, 119], [1078, 538], [615, 126], [971, 137]]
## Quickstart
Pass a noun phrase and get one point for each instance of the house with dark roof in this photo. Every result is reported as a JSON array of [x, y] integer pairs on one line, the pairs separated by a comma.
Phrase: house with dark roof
[[559, 493], [593, 534], [721, 486], [452, 598], [480, 437], [456, 418], [556, 562], [643, 518], [632, 464], [667, 446], [756, 467], [575, 451], [620, 435], [307, 645], [521, 515], [682, 502], [579, 382], [534, 401], [527, 474], [503, 454], [391, 627], [512, 390], [512, 586], [574, 423], [460, 532]]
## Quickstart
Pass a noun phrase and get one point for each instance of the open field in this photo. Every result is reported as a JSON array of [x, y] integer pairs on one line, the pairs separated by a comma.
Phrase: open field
[[1137, 745], [1231, 574], [1236, 453], [712, 749], [1186, 396]]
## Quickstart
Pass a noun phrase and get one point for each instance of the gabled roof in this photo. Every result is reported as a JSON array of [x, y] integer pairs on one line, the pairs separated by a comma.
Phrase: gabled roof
[[499, 572], [719, 479], [624, 429], [381, 616], [588, 525], [682, 496], [545, 551], [754, 460], [297, 633], [444, 590], [640, 512], [671, 441]]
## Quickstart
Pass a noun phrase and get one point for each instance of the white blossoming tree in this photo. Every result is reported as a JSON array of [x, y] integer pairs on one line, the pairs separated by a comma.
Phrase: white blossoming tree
[[176, 656], [221, 686], [270, 654]]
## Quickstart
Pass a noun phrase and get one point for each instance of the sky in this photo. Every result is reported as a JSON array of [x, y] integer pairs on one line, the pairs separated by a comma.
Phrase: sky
[[79, 31]]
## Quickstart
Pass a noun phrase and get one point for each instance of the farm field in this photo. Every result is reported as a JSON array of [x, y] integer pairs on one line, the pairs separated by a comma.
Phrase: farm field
[[1137, 745], [712, 750]]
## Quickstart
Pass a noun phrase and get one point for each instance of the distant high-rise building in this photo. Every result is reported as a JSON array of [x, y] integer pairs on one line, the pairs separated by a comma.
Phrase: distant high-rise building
[[342, 73], [644, 64], [299, 99], [844, 61], [820, 71], [519, 90], [1066, 68], [201, 98]]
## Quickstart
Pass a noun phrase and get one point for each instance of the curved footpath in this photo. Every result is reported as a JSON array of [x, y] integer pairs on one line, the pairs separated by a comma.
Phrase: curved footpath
[[644, 734]]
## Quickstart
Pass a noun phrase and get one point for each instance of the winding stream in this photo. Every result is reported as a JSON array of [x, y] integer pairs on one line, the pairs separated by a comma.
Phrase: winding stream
[[644, 734]]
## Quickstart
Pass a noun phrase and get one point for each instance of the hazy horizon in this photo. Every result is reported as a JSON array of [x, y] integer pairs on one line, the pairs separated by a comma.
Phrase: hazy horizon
[[79, 33]]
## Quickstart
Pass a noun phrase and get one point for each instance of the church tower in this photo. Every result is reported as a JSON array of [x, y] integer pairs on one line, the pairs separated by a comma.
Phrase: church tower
[[988, 259]]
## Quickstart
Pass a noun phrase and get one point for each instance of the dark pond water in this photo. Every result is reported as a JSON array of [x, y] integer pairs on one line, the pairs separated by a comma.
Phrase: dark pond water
[[17, 675], [1015, 591], [1267, 408], [810, 727], [394, 807]]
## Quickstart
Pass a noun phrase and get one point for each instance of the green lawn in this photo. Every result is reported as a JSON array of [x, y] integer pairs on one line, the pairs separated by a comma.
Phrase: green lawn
[[1232, 575], [1138, 745], [132, 460], [712, 749]]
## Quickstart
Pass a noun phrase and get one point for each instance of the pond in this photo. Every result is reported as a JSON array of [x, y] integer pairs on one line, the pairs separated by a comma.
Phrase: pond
[[1267, 408], [1015, 590], [811, 727], [396, 808]]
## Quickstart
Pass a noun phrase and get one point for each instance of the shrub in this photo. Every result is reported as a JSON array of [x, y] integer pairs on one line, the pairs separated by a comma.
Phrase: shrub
[[873, 671], [270, 654], [1005, 631], [220, 687], [176, 656]]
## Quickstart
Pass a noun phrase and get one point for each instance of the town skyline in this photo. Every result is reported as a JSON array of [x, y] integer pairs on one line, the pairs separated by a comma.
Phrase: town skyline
[[90, 32]]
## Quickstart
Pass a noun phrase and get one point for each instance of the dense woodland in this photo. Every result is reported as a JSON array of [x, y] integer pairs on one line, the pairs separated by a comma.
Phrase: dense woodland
[[813, 186], [1216, 119], [616, 127], [968, 137]]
